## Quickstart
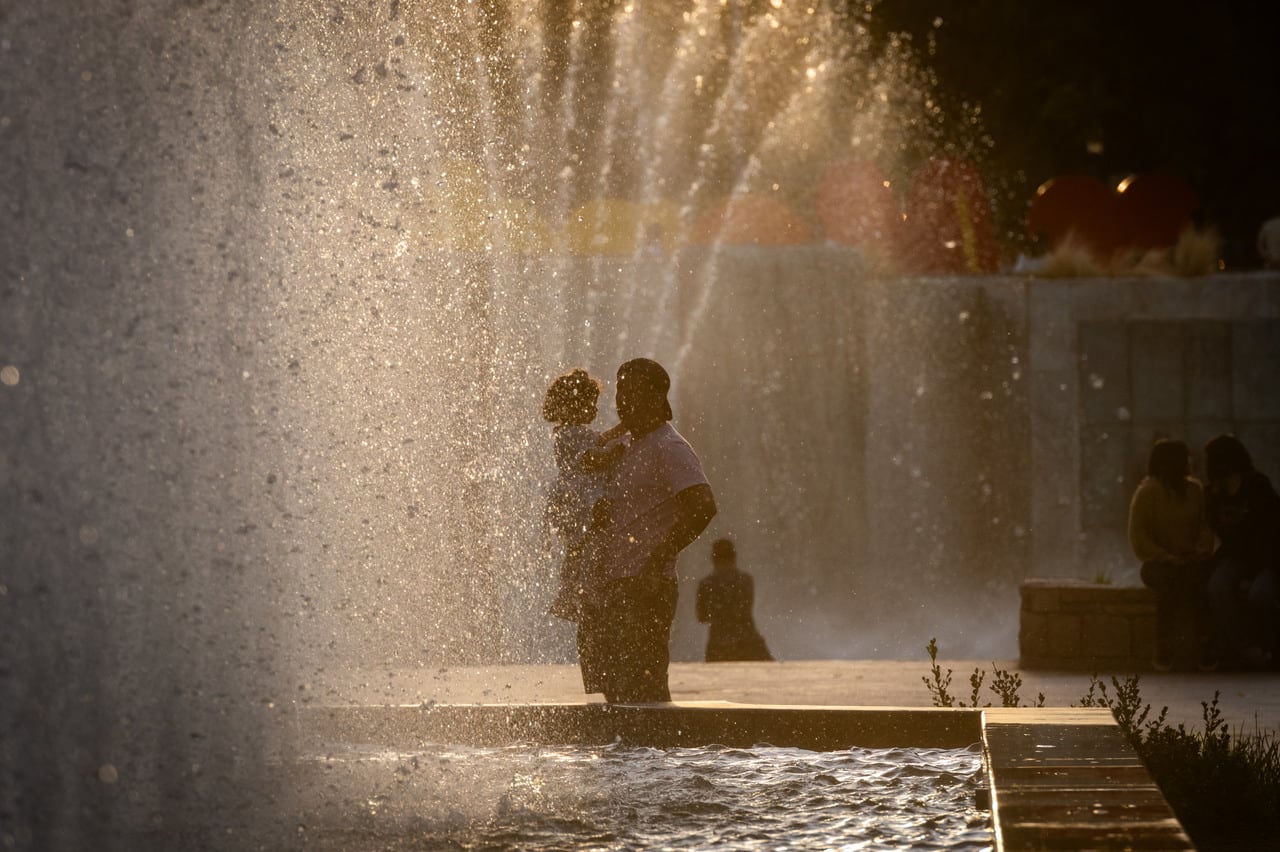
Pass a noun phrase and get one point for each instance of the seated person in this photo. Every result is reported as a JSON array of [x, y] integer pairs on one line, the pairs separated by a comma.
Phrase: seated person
[[725, 599], [1169, 533], [1244, 591]]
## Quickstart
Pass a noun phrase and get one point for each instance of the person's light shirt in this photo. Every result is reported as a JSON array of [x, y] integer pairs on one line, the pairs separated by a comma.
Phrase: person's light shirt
[[652, 471]]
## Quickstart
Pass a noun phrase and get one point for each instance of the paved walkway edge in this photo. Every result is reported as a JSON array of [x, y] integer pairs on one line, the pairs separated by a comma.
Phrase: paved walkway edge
[[1067, 778]]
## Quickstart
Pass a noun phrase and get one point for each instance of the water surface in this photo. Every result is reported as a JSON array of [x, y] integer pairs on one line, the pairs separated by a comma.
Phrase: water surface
[[623, 797]]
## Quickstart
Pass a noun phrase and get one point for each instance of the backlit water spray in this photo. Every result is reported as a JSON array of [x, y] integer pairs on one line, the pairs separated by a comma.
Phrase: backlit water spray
[[476, 198], [283, 285]]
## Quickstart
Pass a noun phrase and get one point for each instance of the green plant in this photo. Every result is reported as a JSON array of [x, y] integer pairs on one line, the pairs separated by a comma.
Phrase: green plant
[[1007, 684], [1197, 252], [1223, 787], [1127, 707], [1004, 684], [939, 683], [1071, 258]]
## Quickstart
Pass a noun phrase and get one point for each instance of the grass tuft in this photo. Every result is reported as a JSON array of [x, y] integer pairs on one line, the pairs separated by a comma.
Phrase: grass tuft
[[1071, 259], [1197, 252]]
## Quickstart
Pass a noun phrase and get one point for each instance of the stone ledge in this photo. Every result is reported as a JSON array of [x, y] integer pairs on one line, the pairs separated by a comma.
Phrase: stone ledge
[[1074, 625], [683, 723]]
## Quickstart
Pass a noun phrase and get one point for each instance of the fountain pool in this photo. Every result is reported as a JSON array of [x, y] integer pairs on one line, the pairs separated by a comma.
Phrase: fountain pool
[[628, 797]]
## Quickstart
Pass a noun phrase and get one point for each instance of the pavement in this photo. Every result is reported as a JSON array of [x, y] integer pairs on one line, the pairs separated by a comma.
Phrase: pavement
[[1249, 702]]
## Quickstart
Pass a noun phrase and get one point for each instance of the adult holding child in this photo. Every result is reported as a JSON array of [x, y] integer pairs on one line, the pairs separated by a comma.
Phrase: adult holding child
[[659, 502], [1169, 534]]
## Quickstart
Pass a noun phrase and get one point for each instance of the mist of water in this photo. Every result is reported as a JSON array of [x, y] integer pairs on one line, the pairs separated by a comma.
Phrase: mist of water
[[460, 202], [283, 287]]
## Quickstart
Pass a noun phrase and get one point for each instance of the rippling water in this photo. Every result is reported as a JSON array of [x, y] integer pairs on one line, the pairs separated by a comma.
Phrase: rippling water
[[623, 797]]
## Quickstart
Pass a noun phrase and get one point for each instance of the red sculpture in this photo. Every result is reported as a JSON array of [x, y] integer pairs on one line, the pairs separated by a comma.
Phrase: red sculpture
[[1146, 211], [948, 225]]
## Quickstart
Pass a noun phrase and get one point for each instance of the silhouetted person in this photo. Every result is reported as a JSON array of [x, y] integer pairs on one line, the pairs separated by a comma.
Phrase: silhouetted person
[[1244, 591], [658, 503], [1169, 533], [1269, 243], [582, 474], [725, 599]]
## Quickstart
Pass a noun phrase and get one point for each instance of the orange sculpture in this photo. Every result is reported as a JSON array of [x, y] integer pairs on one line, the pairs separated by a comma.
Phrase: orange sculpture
[[749, 219]]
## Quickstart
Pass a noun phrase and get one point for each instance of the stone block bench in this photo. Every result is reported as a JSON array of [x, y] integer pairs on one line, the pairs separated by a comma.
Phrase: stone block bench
[[1074, 625]]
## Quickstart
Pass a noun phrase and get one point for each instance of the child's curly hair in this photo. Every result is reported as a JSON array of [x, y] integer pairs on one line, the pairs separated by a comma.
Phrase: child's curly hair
[[572, 398]]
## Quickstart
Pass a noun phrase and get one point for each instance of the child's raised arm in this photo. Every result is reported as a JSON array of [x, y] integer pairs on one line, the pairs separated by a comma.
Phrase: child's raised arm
[[599, 458], [612, 434]]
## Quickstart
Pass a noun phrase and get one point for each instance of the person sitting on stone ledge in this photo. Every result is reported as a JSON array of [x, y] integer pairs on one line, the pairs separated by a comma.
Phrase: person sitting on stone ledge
[[1244, 589], [1170, 535], [1269, 243], [725, 599]]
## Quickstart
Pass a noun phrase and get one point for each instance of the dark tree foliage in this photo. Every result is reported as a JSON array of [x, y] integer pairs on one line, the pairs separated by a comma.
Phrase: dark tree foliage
[[1176, 87]]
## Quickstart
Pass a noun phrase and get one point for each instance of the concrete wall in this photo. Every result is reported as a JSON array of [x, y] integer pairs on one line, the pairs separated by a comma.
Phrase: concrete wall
[[918, 447], [1117, 363]]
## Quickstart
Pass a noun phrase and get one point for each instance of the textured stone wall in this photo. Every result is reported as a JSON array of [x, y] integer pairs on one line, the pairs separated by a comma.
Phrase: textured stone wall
[[1077, 625]]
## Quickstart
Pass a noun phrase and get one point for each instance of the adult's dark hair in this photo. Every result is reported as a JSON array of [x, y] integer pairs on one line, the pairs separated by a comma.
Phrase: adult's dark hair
[[1168, 463], [722, 548], [572, 398], [1225, 455], [649, 378]]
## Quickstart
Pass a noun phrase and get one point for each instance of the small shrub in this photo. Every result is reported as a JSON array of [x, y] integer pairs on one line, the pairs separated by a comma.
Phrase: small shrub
[[937, 682], [1071, 259], [1224, 788], [1004, 684], [1007, 685], [1131, 263], [1127, 707], [1197, 252]]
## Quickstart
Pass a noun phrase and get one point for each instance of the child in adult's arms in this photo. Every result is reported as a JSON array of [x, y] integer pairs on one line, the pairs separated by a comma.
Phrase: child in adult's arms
[[575, 508]]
